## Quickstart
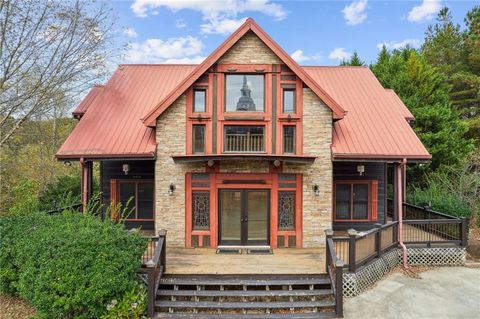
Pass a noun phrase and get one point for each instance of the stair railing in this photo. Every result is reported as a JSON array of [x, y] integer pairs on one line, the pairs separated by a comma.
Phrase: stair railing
[[153, 270], [334, 267]]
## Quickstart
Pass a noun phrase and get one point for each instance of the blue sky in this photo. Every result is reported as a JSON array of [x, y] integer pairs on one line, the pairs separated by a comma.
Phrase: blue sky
[[313, 32]]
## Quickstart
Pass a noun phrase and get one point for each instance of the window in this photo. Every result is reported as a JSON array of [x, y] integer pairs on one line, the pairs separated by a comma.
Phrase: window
[[201, 210], [244, 139], [288, 101], [289, 139], [286, 210], [199, 100], [244, 93], [198, 138], [352, 201], [136, 198]]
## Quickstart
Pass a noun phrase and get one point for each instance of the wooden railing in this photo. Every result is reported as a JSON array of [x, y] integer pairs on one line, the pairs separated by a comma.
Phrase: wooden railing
[[334, 268], [153, 268], [77, 207], [251, 143]]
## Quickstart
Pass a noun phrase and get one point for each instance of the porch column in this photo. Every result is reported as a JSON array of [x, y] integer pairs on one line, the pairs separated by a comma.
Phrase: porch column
[[395, 190], [86, 182]]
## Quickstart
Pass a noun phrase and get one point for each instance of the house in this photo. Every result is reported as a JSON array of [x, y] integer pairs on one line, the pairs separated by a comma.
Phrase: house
[[247, 148]]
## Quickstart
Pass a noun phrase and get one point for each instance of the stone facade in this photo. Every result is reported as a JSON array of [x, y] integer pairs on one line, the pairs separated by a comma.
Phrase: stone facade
[[171, 137], [317, 140], [249, 50], [317, 132]]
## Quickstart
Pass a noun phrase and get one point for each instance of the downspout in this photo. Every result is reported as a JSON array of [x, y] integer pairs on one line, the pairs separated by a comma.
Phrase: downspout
[[402, 164]]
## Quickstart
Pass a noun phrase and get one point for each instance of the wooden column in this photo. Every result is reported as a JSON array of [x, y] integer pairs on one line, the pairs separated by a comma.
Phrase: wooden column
[[86, 182]]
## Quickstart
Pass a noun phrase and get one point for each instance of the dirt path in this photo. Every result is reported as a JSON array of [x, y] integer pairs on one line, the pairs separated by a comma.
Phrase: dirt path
[[14, 308]]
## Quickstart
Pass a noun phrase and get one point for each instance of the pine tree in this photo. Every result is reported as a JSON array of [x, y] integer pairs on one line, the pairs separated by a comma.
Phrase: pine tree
[[354, 60], [424, 90]]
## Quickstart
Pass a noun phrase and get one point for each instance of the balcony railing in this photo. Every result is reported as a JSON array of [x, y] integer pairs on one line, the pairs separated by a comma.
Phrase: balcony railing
[[247, 143]]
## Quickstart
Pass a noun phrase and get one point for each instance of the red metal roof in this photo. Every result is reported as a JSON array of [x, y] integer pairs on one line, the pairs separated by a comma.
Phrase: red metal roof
[[375, 125], [87, 101], [112, 126], [402, 108], [248, 25]]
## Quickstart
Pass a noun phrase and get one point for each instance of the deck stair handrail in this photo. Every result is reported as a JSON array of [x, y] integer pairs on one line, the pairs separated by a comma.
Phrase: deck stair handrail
[[334, 268], [154, 268]]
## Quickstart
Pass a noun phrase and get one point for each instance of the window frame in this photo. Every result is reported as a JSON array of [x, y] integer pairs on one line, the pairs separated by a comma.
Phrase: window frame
[[372, 207], [195, 90], [194, 125], [116, 197], [225, 80], [289, 89], [294, 139]]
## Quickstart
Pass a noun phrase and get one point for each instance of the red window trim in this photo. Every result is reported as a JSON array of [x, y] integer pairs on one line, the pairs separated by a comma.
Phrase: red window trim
[[372, 200], [217, 182], [115, 195]]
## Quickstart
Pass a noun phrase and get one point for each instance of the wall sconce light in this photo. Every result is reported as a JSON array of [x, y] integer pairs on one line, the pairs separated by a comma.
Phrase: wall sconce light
[[361, 169], [126, 168], [276, 163], [67, 163], [210, 163], [316, 190], [171, 189]]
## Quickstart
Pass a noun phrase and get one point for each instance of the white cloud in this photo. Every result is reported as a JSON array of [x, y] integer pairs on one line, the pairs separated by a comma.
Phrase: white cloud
[[180, 23], [299, 57], [174, 50], [414, 43], [339, 54], [221, 26], [219, 15], [355, 13], [130, 32], [425, 11]]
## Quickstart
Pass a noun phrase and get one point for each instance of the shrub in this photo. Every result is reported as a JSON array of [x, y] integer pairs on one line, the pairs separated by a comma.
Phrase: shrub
[[68, 265], [56, 193], [25, 198], [132, 306]]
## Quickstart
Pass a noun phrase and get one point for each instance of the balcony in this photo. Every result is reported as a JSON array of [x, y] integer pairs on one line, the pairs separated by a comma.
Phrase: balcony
[[244, 139]]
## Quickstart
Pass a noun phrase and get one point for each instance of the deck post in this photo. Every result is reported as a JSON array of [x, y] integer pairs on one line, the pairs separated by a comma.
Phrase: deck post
[[339, 288], [464, 232], [86, 182], [328, 234], [378, 239], [162, 234], [352, 233], [150, 291]]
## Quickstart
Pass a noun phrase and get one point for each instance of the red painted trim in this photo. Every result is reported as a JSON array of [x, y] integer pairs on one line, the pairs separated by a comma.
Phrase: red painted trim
[[249, 25], [372, 199]]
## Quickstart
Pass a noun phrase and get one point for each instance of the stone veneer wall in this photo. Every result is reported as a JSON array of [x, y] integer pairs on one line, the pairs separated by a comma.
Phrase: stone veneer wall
[[171, 139], [317, 140]]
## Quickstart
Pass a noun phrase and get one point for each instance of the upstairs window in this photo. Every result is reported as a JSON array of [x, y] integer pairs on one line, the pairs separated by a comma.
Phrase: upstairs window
[[244, 138], [244, 93], [289, 101], [198, 138], [199, 101], [289, 139]]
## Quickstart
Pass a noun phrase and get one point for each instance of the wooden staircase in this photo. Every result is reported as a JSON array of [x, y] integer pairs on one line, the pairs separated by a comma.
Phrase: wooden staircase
[[245, 296]]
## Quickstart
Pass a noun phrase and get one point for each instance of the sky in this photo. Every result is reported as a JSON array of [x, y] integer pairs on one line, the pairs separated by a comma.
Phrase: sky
[[312, 32]]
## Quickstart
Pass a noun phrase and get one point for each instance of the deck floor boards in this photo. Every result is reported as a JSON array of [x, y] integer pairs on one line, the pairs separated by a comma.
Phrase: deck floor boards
[[283, 261]]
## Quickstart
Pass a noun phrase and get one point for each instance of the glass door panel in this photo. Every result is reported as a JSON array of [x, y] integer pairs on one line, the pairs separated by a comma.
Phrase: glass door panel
[[230, 217], [257, 217]]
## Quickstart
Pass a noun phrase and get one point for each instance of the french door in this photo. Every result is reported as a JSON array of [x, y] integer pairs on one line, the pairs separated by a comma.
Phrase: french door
[[244, 217]]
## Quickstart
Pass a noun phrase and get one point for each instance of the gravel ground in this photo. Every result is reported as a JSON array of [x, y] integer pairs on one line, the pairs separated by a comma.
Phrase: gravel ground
[[439, 293], [14, 308]]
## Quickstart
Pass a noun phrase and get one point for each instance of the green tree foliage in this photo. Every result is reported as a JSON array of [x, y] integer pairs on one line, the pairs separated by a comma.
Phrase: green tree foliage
[[70, 265], [26, 199], [424, 90], [353, 61], [456, 54], [62, 192]]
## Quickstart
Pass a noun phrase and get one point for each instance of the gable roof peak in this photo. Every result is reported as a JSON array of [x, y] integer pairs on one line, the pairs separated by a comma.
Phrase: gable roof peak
[[249, 25]]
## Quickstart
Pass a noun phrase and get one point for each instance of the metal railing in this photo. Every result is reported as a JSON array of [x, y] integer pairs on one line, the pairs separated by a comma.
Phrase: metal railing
[[334, 268], [252, 143], [77, 207], [154, 265]]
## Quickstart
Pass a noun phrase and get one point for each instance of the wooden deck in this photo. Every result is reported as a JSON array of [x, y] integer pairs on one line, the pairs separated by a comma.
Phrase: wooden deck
[[206, 261]]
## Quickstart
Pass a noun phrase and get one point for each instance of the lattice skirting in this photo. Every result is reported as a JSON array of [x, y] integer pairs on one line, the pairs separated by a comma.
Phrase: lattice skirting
[[359, 281]]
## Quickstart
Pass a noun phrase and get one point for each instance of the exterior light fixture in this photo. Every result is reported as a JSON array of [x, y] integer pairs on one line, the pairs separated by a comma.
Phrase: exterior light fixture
[[67, 163], [126, 168], [276, 163], [210, 163], [316, 190], [360, 169], [171, 189]]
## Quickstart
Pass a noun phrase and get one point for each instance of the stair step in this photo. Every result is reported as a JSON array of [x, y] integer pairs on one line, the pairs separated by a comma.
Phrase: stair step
[[245, 293], [245, 280], [243, 305], [189, 315]]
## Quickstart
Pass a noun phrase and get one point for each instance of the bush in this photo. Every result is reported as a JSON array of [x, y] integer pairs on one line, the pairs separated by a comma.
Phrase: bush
[[56, 193], [68, 265], [25, 198]]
